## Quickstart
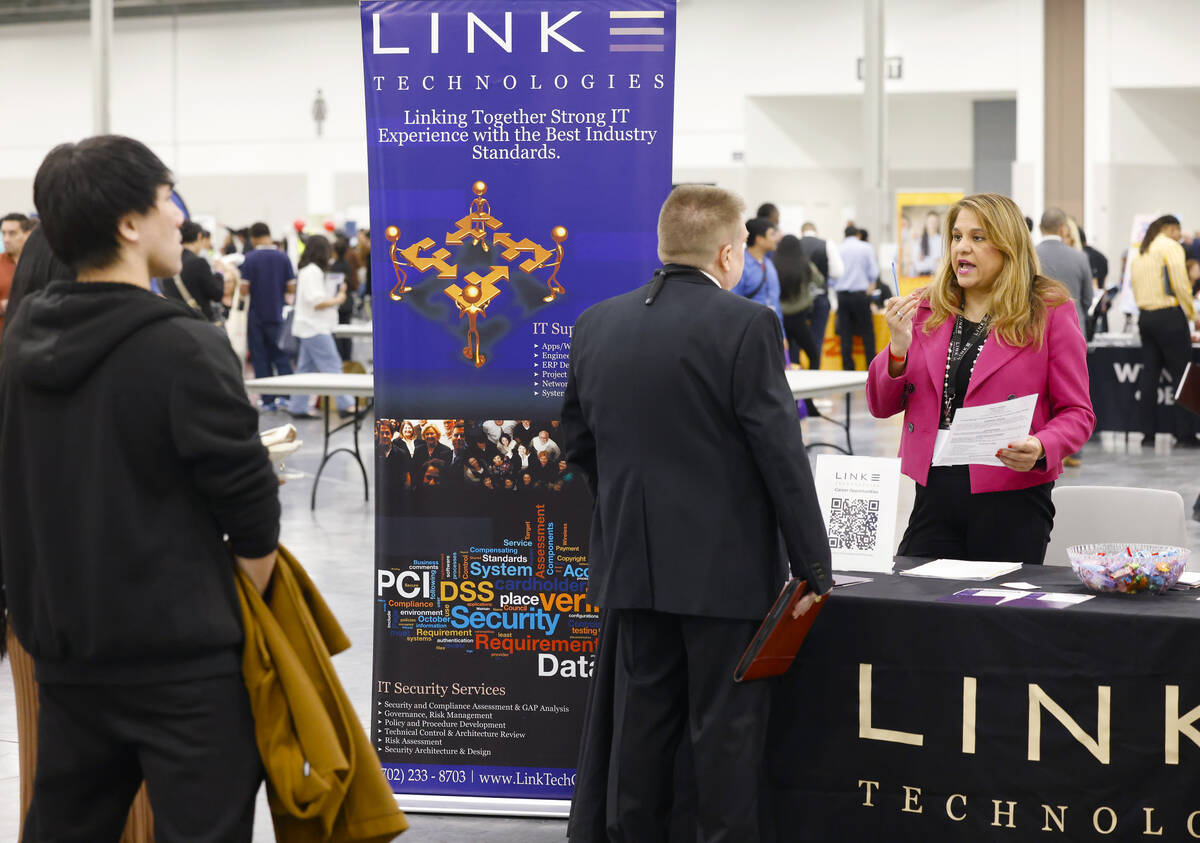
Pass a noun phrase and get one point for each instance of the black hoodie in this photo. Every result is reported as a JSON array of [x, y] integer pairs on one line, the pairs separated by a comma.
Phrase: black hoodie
[[128, 451]]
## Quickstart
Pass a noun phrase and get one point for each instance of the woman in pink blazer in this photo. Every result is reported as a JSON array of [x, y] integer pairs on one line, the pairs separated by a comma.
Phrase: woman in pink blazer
[[988, 328]]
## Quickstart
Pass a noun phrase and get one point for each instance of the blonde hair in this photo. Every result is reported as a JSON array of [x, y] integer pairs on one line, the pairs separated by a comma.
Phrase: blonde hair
[[696, 221], [1021, 295]]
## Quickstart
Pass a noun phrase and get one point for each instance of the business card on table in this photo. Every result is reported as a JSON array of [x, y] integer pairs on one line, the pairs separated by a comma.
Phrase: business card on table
[[1020, 599]]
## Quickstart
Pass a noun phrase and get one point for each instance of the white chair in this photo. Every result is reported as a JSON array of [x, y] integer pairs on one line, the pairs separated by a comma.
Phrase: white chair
[[1091, 514]]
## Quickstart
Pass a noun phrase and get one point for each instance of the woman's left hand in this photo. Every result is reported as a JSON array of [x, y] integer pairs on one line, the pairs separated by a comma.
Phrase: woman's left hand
[[1021, 456]]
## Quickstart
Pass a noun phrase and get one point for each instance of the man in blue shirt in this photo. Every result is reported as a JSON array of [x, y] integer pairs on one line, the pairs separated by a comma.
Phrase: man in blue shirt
[[270, 276], [860, 271], [760, 281]]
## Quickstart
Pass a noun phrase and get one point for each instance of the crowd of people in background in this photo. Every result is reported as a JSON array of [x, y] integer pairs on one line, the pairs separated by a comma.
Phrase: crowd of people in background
[[496, 455], [289, 316]]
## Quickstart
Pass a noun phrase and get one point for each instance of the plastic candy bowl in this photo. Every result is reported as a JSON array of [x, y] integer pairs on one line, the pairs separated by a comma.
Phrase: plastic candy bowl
[[1128, 569]]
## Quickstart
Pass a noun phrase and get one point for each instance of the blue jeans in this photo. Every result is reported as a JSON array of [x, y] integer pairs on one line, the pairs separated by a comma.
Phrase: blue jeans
[[318, 354], [267, 358], [820, 317]]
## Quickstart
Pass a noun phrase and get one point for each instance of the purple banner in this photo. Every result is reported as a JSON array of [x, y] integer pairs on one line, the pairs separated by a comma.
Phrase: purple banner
[[518, 153]]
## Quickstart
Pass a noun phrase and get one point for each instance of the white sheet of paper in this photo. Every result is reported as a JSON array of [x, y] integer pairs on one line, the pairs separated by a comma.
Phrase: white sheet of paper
[[978, 432], [962, 569], [1022, 585]]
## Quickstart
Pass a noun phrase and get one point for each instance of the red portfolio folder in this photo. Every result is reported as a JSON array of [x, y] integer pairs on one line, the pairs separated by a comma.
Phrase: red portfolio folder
[[1187, 394], [779, 637]]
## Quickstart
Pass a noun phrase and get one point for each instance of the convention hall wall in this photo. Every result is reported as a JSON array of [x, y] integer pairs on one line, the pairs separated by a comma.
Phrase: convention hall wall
[[768, 102]]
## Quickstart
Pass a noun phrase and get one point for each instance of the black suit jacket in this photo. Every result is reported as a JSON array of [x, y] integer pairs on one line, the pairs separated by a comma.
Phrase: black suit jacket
[[681, 417]]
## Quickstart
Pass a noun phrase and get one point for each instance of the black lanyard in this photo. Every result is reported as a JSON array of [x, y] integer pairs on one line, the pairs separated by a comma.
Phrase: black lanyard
[[960, 348]]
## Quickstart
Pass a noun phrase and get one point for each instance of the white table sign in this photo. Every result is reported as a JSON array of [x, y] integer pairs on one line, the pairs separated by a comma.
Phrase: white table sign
[[858, 497]]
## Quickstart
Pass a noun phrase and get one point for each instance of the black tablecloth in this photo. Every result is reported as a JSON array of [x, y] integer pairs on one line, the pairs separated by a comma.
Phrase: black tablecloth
[[834, 777], [1113, 372]]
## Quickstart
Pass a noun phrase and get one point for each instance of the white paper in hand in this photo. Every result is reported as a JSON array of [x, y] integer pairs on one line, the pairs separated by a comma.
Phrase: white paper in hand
[[977, 433]]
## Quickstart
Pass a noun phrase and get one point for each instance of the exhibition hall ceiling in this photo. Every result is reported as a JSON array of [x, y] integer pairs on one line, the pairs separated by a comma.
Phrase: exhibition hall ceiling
[[40, 11]]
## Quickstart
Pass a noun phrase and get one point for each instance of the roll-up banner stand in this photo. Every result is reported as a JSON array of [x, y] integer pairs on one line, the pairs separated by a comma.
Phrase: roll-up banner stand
[[519, 152]]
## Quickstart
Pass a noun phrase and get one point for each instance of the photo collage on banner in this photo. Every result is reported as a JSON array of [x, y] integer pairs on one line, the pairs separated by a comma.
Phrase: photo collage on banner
[[919, 220], [518, 155]]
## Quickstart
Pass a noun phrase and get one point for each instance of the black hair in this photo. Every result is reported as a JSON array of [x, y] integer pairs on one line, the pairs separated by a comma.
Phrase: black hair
[[316, 250], [259, 229], [850, 231], [341, 245], [862, 234], [1082, 236], [1155, 229], [190, 232], [1029, 224], [36, 269], [766, 209], [756, 228], [793, 267], [17, 217], [82, 190]]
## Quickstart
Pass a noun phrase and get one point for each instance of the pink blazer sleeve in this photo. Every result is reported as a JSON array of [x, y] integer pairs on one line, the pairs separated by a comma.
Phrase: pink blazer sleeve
[[885, 394], [1071, 419]]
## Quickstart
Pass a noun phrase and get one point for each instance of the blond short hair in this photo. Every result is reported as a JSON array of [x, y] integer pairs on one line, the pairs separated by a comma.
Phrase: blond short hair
[[696, 221]]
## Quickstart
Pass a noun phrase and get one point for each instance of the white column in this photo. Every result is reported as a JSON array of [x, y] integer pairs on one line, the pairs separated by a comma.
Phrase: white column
[[1029, 172], [872, 213], [102, 33], [1097, 126]]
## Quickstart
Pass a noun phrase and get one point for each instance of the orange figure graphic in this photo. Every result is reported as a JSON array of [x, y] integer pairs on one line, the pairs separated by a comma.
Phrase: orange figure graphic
[[392, 233], [479, 291], [473, 301], [558, 234]]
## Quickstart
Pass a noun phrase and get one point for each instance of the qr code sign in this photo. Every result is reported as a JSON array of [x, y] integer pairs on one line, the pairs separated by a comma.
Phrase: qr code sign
[[853, 523]]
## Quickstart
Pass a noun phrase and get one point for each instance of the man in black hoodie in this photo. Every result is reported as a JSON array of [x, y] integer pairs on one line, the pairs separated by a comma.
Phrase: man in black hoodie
[[130, 453]]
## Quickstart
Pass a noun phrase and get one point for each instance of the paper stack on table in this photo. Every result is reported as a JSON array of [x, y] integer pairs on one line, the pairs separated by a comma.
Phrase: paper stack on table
[[962, 569], [1187, 581]]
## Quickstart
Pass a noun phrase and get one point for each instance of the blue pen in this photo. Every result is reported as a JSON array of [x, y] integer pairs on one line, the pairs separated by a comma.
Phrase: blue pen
[[895, 278]]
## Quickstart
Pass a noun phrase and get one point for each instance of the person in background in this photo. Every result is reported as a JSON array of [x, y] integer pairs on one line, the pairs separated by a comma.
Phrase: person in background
[[929, 245], [363, 247], [269, 278], [828, 261], [341, 266], [799, 280], [1193, 273], [769, 212], [317, 302], [854, 305], [1060, 260], [1163, 295], [14, 230], [204, 288], [986, 329], [38, 267], [760, 281]]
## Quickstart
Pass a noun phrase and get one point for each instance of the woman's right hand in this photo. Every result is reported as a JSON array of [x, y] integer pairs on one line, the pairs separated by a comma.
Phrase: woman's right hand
[[899, 313]]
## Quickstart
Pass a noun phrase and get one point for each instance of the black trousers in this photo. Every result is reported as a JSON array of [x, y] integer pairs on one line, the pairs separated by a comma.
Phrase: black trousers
[[673, 677], [949, 522], [193, 743], [798, 331], [266, 355], [1166, 341], [820, 318], [854, 320]]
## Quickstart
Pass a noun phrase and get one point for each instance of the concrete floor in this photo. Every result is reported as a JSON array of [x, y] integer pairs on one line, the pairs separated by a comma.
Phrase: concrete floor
[[336, 545]]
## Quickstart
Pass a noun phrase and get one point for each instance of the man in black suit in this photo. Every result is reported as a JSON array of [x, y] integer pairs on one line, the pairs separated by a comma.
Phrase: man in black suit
[[685, 555]]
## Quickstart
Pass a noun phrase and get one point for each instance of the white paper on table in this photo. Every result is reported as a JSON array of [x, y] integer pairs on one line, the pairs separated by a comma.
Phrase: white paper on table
[[962, 569], [858, 498], [977, 433], [1024, 585]]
